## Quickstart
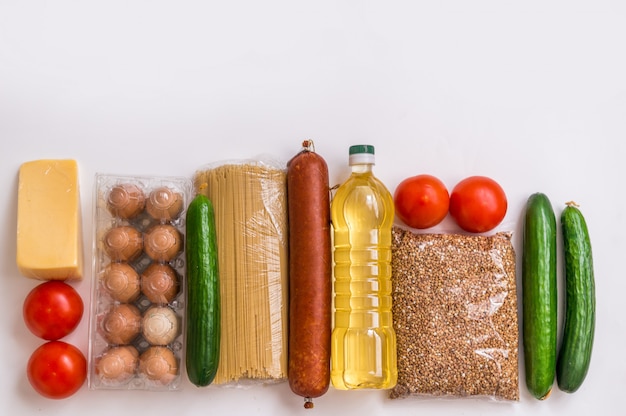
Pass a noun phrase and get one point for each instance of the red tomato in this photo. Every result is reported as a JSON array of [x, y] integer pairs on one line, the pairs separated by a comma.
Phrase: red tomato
[[421, 201], [478, 204], [52, 310], [57, 370]]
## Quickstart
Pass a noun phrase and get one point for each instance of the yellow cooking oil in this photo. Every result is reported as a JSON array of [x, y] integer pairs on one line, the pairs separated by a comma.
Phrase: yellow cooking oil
[[363, 354]]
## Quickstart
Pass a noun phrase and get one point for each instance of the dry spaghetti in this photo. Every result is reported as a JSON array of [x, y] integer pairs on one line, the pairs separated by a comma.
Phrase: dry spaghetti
[[250, 206]]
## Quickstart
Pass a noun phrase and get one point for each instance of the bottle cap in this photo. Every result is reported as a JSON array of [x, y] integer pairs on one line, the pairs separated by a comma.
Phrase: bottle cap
[[361, 154]]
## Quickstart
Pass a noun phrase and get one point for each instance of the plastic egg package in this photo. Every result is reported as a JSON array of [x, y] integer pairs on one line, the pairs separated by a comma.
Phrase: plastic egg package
[[136, 326]]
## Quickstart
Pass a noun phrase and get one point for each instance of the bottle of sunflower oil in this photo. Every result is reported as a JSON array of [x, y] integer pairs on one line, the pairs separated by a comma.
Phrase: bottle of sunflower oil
[[363, 354]]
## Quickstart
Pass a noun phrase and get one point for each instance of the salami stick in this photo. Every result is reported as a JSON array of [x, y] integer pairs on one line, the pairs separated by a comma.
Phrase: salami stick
[[310, 279]]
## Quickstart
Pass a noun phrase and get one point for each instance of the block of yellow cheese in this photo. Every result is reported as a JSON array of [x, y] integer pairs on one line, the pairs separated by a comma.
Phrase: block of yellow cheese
[[49, 229]]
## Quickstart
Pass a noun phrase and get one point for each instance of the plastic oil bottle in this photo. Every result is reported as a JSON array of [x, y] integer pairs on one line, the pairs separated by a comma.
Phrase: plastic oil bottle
[[363, 354]]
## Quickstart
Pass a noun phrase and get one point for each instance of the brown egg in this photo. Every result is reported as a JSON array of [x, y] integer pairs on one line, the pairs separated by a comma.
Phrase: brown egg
[[126, 201], [164, 204], [163, 242], [117, 364], [122, 282], [159, 325], [123, 243], [158, 364], [159, 283], [121, 324]]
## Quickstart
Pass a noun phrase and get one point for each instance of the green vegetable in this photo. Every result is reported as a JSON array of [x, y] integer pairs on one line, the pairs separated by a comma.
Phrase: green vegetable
[[580, 302], [539, 295], [203, 293]]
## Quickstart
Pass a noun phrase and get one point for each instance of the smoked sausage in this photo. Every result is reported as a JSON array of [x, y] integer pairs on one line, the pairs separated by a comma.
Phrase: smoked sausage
[[310, 278]]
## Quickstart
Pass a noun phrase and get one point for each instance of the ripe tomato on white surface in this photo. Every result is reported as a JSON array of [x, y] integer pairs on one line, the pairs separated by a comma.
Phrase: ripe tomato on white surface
[[52, 310], [421, 201], [57, 370], [478, 204]]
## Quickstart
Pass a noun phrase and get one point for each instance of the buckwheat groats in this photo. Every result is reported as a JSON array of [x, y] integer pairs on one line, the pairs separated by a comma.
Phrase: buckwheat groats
[[455, 315]]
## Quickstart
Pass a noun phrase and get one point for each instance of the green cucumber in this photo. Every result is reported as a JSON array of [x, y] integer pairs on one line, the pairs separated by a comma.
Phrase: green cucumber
[[203, 293], [580, 302], [539, 295]]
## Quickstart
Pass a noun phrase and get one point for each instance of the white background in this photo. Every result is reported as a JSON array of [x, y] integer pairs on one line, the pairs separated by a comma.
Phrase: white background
[[530, 93]]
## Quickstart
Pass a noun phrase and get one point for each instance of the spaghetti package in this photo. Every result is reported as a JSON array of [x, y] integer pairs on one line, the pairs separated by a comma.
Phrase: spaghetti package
[[249, 199], [455, 315]]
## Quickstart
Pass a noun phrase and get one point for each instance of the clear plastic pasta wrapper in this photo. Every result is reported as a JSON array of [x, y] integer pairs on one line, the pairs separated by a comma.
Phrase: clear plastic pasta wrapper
[[249, 199], [455, 316], [137, 300]]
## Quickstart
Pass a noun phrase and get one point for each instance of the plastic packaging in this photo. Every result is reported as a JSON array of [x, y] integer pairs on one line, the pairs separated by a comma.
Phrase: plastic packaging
[[136, 337], [455, 314], [249, 199], [363, 339]]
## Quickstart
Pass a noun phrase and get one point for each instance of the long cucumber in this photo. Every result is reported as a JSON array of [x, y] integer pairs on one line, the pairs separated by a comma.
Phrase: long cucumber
[[203, 293], [580, 302], [539, 295]]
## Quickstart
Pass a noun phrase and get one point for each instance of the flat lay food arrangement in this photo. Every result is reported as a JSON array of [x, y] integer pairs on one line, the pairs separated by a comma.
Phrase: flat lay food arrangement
[[258, 272]]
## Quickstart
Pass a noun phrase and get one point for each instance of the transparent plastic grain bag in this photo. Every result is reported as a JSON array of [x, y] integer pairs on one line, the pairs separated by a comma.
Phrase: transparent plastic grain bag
[[249, 199], [455, 315]]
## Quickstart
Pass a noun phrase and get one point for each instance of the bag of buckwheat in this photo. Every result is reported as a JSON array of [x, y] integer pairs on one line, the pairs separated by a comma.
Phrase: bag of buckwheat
[[455, 315]]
